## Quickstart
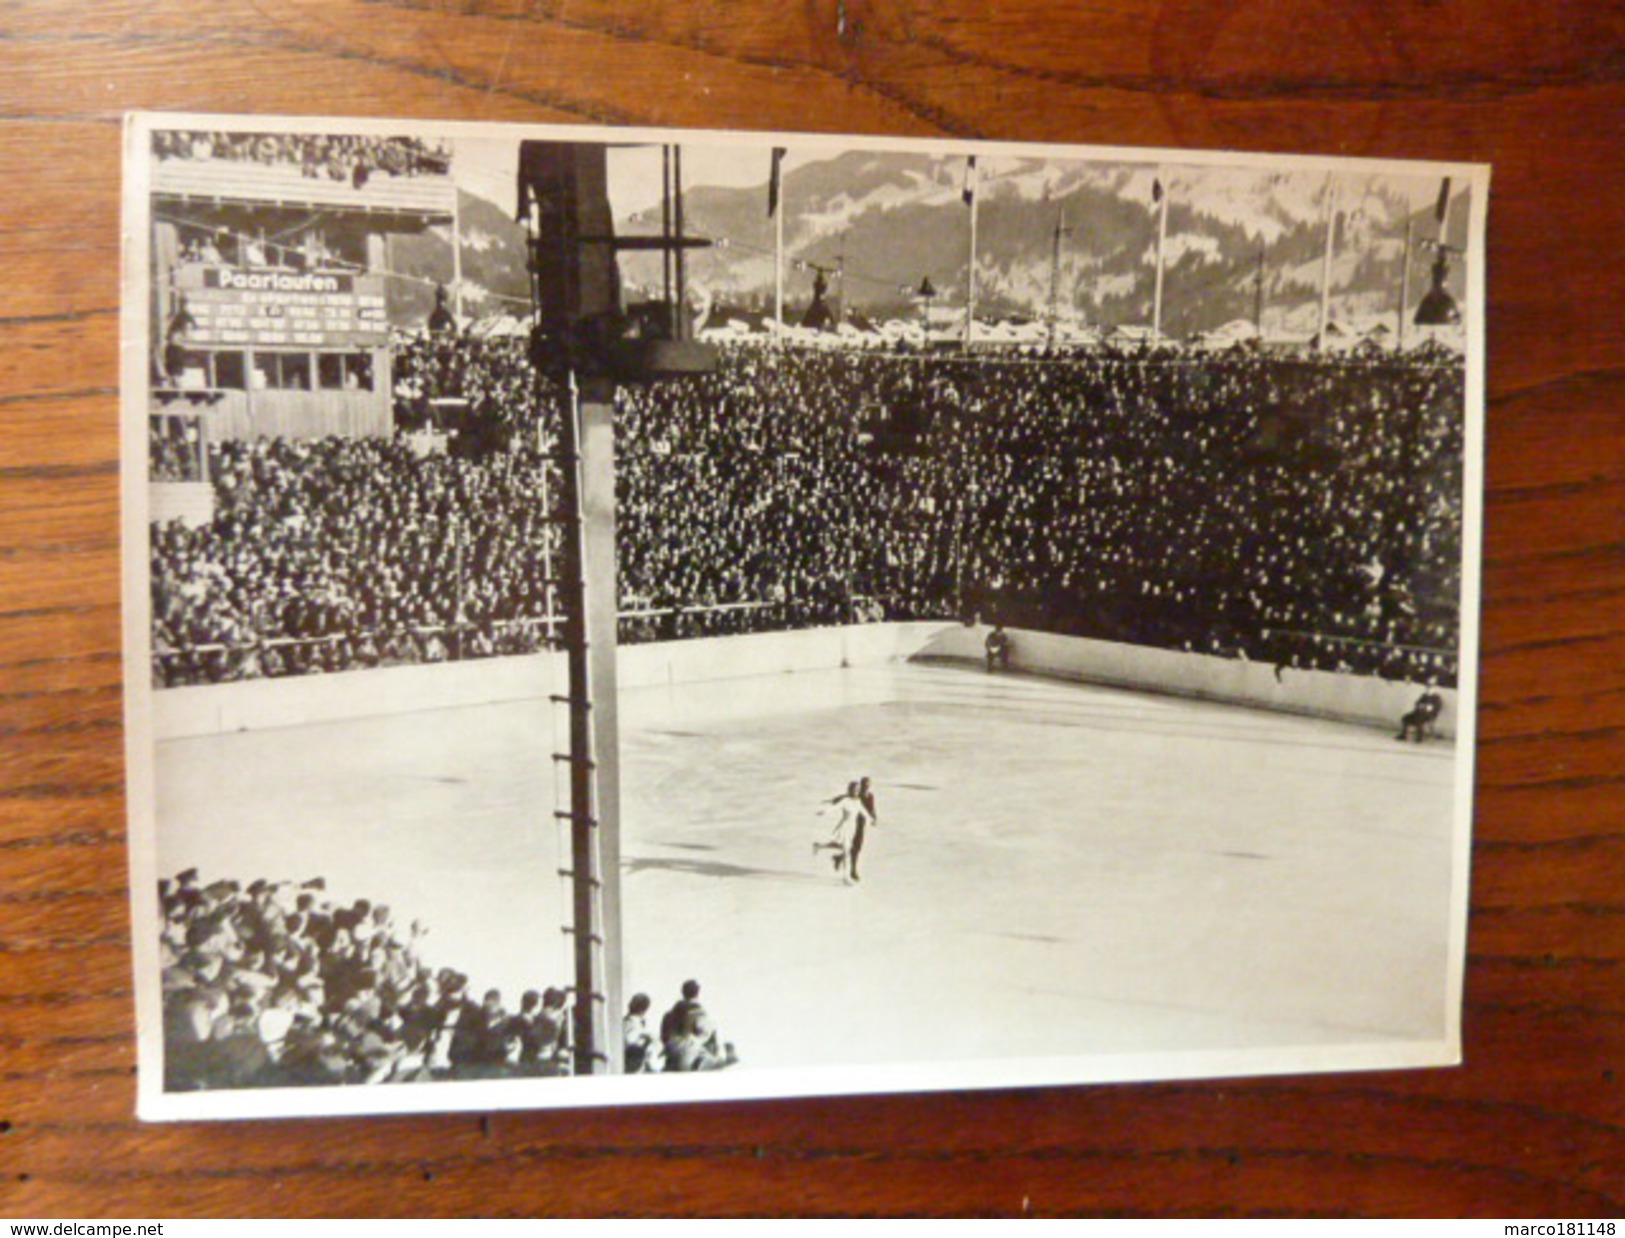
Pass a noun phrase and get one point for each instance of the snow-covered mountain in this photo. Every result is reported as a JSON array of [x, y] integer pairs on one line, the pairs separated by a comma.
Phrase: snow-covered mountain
[[494, 276], [889, 221]]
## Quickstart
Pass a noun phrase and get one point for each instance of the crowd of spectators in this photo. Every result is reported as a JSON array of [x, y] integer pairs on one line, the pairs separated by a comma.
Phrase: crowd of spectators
[[338, 554], [494, 395], [175, 451], [274, 984], [1306, 513], [1301, 512], [340, 157]]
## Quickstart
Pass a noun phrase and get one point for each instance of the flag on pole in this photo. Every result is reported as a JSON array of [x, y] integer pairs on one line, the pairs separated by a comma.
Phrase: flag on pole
[[1156, 190], [773, 182], [969, 193], [1444, 201]]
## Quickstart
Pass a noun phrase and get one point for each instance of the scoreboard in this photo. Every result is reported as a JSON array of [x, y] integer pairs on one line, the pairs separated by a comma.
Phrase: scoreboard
[[245, 308]]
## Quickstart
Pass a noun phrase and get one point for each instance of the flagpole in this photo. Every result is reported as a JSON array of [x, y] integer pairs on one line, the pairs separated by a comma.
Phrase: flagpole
[[1404, 284], [1326, 265], [1055, 270], [1258, 298], [840, 281], [778, 262], [971, 188], [1162, 236]]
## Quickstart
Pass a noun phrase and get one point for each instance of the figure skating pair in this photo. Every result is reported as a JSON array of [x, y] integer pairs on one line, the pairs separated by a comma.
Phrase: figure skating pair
[[854, 812]]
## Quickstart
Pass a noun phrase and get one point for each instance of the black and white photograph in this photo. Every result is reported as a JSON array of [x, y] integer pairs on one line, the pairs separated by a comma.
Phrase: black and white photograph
[[639, 616]]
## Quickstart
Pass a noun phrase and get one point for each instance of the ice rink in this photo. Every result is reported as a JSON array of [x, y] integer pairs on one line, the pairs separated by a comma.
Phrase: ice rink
[[1058, 869]]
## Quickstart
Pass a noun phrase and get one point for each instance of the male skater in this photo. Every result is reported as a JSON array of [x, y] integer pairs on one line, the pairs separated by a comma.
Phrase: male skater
[[850, 812], [867, 817]]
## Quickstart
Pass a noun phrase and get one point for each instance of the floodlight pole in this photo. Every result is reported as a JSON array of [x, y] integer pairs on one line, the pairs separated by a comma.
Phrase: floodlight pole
[[587, 496], [581, 334], [970, 292]]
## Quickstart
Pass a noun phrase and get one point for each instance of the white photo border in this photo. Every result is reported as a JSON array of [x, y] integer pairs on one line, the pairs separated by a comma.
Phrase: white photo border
[[154, 1103]]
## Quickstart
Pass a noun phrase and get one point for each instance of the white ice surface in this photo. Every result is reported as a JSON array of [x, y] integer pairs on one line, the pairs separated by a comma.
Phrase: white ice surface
[[1058, 869]]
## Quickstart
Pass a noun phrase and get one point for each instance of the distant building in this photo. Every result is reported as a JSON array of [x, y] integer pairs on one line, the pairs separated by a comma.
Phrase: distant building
[[1237, 332], [1131, 337]]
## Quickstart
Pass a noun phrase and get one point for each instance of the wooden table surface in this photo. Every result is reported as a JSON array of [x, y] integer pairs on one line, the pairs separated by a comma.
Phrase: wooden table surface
[[1530, 1126]]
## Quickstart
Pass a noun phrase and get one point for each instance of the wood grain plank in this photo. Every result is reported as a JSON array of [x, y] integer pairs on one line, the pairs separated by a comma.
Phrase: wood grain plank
[[1530, 1126]]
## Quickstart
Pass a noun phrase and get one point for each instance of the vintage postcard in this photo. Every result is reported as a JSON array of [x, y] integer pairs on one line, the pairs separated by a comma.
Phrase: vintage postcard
[[621, 617]]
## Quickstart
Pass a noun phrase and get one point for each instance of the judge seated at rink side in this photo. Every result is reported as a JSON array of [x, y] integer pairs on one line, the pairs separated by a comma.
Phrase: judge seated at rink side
[[997, 647], [276, 986]]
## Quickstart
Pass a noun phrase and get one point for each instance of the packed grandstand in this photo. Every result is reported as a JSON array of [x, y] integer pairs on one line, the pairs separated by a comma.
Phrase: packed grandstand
[[340, 157], [1302, 512], [276, 984]]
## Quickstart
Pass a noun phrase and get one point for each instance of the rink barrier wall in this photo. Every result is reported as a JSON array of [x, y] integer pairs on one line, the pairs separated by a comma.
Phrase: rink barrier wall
[[771, 653], [1363, 699], [259, 704]]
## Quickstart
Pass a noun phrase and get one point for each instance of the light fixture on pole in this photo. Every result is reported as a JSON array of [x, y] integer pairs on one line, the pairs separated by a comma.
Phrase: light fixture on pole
[[927, 292], [1438, 308]]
